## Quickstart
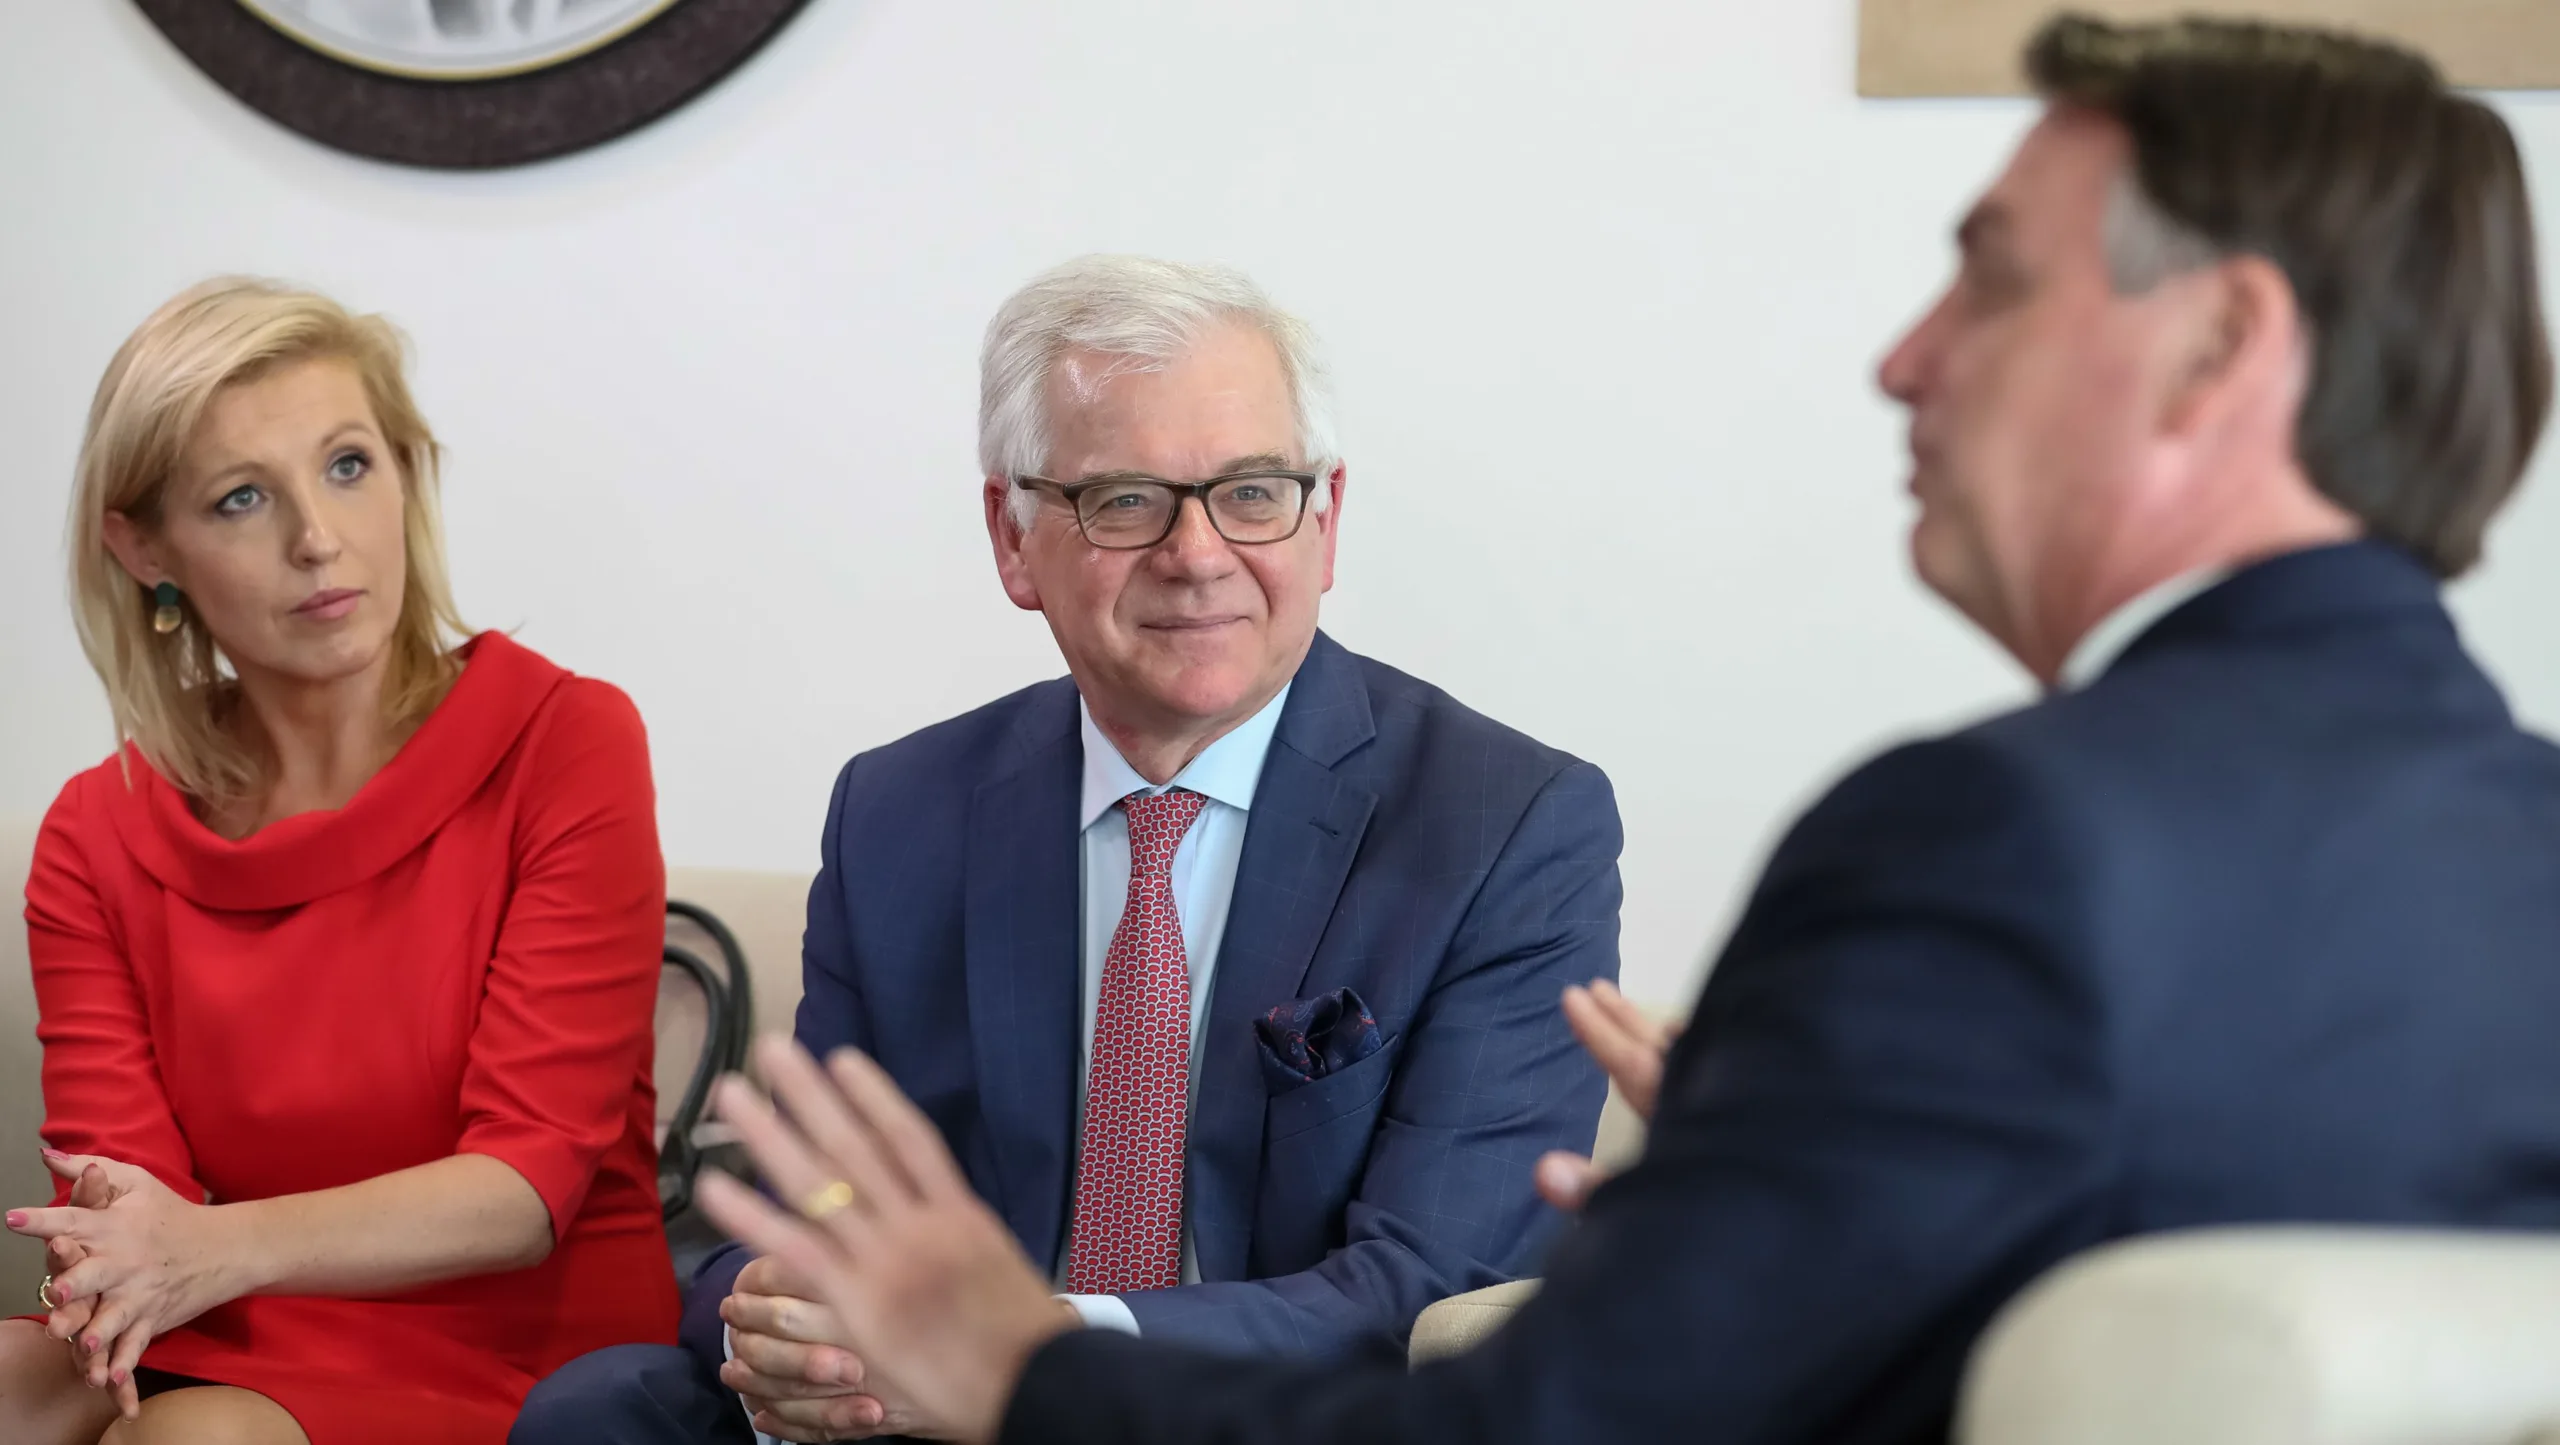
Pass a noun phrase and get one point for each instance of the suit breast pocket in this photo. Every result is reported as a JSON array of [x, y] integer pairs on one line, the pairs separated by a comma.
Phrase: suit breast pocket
[[1324, 1101], [1316, 1141]]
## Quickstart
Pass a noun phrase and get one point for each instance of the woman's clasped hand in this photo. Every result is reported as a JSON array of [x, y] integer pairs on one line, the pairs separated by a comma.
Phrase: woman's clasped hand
[[128, 1258]]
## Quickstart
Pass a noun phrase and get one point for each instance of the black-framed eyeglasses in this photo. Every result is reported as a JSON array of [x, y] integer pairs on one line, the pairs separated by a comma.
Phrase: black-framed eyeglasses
[[1130, 511]]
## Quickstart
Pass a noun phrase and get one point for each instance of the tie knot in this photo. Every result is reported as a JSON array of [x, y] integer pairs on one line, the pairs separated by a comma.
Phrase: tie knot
[[1156, 825]]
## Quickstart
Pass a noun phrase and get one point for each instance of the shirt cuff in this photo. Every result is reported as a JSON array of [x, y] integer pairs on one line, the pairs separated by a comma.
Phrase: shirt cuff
[[1104, 1312]]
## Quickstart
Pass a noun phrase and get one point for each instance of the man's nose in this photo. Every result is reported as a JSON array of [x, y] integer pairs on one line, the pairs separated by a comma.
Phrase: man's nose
[[1904, 372], [1194, 547]]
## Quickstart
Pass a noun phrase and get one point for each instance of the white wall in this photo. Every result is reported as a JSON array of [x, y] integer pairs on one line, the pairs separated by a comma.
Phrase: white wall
[[1603, 282]]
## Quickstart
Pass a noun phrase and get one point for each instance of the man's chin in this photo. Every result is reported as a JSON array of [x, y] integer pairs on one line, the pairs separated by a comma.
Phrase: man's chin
[[1938, 557], [1201, 673], [1200, 699], [1180, 683]]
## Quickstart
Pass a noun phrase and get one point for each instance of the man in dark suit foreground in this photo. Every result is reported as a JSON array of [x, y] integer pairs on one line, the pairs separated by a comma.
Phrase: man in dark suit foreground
[[2255, 917], [1226, 965]]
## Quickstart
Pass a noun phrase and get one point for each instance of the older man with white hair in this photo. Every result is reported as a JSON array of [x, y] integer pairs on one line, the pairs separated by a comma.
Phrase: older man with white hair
[[1228, 964]]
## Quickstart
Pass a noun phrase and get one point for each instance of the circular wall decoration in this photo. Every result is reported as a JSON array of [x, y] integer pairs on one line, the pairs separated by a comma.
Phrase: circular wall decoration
[[456, 39], [466, 83]]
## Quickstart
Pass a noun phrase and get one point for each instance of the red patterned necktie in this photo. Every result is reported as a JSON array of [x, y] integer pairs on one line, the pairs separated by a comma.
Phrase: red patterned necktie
[[1128, 1225]]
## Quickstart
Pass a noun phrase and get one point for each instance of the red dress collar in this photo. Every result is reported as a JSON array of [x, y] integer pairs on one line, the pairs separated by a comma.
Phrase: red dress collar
[[502, 687]]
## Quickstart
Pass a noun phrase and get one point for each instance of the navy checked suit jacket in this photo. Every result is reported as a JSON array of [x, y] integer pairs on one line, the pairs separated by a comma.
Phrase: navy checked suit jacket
[[1453, 872], [2262, 926]]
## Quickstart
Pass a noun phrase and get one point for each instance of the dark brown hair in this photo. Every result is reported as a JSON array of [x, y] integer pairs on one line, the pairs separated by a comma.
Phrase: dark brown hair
[[2396, 208]]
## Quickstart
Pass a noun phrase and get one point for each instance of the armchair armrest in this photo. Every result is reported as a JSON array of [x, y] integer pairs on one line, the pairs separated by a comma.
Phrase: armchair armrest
[[1454, 1325], [2252, 1336]]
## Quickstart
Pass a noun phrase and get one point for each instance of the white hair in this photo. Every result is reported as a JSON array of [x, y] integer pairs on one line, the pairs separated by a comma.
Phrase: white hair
[[2145, 244], [1145, 314]]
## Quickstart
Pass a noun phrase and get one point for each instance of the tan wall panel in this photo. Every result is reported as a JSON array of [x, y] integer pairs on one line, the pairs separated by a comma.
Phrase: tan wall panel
[[1970, 47]]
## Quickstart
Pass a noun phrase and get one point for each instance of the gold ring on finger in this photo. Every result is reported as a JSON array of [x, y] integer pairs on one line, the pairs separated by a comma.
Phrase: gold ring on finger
[[831, 1198], [44, 1292]]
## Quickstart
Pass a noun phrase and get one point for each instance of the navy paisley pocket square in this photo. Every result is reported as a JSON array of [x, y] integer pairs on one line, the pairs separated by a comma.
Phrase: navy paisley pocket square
[[1311, 1038]]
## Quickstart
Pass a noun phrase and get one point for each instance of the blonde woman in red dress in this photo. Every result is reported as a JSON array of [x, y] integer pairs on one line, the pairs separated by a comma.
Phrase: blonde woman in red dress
[[345, 963]]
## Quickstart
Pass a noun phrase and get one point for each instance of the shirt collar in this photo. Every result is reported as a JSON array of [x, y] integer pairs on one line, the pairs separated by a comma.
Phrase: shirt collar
[[2099, 648], [1227, 771]]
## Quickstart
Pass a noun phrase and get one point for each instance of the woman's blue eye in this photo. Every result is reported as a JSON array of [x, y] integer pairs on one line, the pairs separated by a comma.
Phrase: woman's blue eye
[[347, 466], [236, 501]]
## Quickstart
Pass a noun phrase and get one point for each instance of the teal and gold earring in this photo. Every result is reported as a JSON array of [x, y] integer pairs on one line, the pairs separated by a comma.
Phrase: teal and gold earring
[[166, 619]]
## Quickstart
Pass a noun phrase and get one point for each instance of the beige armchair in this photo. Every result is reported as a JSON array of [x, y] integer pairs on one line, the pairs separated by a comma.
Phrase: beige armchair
[[2279, 1336]]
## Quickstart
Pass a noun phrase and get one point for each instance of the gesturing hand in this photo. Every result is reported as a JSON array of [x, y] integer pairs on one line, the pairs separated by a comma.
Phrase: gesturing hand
[[1628, 1042], [1630, 1045], [146, 1263], [930, 1288], [789, 1362]]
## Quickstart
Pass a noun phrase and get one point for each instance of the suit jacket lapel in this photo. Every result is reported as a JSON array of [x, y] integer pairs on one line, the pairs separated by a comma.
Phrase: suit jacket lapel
[[1021, 939], [1305, 829]]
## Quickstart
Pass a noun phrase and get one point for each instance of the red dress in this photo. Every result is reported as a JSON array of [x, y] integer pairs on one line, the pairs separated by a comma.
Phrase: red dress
[[464, 960]]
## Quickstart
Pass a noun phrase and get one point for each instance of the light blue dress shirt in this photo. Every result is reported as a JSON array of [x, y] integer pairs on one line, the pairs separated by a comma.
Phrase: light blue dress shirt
[[1204, 885]]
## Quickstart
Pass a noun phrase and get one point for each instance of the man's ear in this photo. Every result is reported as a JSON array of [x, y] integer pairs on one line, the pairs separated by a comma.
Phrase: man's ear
[[134, 551], [2243, 347], [1329, 521], [1006, 537]]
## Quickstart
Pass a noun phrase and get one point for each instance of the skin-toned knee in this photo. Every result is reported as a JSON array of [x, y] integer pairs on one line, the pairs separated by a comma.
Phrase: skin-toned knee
[[42, 1400], [212, 1416]]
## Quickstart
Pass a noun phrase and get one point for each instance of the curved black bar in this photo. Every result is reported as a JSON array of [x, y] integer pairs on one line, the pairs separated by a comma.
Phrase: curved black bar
[[675, 1184], [742, 993]]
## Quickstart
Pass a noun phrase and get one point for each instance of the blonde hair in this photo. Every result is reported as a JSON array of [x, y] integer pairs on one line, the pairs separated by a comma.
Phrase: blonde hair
[[170, 694]]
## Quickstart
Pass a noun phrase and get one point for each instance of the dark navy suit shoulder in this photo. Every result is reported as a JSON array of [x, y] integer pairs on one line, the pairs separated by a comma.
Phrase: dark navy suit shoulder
[[1432, 748], [976, 739], [1396, 693]]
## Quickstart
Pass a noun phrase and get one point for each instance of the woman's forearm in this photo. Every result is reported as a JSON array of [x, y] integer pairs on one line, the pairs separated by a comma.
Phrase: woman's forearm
[[456, 1217]]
